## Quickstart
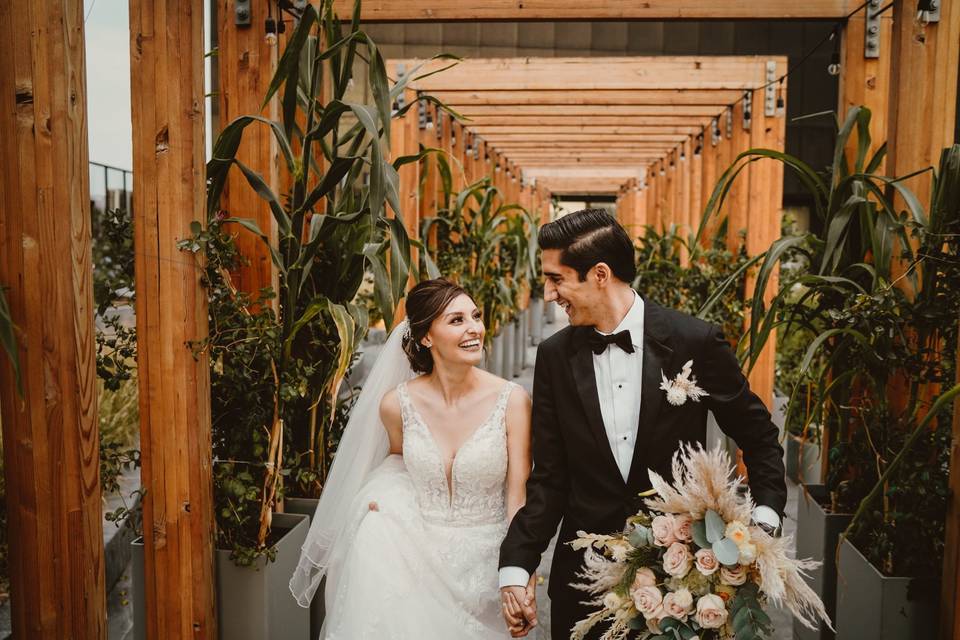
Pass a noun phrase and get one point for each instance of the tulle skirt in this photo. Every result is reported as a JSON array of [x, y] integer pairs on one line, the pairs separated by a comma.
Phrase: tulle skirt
[[396, 576]]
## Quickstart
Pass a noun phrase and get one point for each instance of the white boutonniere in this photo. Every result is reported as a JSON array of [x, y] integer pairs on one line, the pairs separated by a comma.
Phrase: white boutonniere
[[683, 387]]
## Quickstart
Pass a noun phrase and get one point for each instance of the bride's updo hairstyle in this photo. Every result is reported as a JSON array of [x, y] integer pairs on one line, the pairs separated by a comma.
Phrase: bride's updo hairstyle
[[425, 303]]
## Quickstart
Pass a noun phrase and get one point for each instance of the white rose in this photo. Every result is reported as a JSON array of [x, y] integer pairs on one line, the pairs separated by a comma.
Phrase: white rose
[[711, 611], [677, 560], [653, 624], [678, 604], [682, 525], [647, 600], [733, 576], [612, 601], [662, 528], [748, 553], [706, 562], [738, 532]]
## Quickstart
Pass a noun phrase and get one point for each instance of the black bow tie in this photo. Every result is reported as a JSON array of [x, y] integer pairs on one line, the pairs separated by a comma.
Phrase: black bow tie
[[599, 342]]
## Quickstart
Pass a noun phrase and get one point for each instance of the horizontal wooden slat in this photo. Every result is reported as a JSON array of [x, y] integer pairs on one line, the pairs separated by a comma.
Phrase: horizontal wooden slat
[[717, 98], [490, 131], [509, 118], [613, 171], [582, 185], [591, 110], [496, 138], [456, 10], [591, 74]]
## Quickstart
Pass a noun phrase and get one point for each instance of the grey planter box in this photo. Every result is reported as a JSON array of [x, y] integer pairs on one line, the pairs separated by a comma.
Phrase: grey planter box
[[252, 603], [307, 507], [872, 606], [817, 534], [509, 347], [496, 355], [536, 321], [802, 461]]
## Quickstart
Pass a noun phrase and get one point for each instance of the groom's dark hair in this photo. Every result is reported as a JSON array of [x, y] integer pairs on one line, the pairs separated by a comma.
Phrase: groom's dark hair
[[587, 237]]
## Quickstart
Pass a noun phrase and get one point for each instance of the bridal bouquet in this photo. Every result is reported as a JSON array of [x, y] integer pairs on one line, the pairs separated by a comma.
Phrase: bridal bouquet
[[691, 566]]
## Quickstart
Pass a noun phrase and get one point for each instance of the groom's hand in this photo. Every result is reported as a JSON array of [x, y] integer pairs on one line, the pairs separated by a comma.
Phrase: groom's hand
[[520, 607]]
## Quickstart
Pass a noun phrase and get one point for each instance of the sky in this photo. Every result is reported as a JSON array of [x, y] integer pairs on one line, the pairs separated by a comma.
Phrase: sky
[[107, 36]]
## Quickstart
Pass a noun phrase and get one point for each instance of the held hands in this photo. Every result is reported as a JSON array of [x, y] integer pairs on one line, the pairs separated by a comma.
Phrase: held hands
[[519, 607]]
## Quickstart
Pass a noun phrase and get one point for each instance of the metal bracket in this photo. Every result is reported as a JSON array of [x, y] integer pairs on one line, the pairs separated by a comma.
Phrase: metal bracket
[[439, 126], [476, 147], [422, 118], [747, 109], [871, 30], [241, 13], [729, 123], [715, 132], [929, 10], [770, 91]]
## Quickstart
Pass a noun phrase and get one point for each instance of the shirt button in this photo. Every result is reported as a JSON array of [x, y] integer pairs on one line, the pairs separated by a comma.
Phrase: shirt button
[[619, 386]]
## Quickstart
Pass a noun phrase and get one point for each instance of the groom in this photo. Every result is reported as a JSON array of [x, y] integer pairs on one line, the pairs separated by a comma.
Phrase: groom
[[601, 420]]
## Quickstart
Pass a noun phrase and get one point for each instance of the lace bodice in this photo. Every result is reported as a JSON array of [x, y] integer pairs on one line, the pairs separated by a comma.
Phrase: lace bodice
[[475, 494]]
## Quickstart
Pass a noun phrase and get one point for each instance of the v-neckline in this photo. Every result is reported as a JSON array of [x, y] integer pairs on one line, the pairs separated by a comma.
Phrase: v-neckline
[[436, 445]]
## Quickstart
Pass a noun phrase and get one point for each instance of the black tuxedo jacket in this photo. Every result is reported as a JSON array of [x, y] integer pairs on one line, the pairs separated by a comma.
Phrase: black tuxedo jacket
[[575, 476]]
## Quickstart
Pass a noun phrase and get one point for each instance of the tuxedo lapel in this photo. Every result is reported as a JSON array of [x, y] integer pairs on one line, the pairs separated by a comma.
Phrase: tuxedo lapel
[[656, 358], [585, 377]]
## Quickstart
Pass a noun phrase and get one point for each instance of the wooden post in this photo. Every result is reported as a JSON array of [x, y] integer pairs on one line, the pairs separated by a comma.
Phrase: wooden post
[[708, 179], [404, 141], [50, 435], [246, 64], [923, 98], [923, 92], [737, 202], [684, 215], [696, 186], [866, 81], [166, 73]]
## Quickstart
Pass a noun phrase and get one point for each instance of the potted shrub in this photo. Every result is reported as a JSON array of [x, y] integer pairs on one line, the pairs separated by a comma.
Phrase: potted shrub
[[279, 358], [880, 301]]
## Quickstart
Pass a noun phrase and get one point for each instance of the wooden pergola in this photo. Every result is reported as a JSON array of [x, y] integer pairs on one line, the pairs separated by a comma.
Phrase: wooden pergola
[[50, 435], [652, 130]]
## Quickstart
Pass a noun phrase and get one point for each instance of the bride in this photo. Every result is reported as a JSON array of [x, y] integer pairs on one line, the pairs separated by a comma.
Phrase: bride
[[409, 525]]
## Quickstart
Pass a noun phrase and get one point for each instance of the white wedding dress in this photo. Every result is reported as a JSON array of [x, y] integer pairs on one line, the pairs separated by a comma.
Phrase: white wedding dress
[[424, 565]]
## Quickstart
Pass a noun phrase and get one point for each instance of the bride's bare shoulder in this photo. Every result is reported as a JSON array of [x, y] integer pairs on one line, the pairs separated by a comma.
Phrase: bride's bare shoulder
[[390, 408]]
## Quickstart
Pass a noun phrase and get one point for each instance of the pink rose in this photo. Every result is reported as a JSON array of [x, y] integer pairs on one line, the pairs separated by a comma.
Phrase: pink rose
[[662, 527], [678, 604], [706, 562], [733, 576], [677, 560], [647, 600], [644, 578], [682, 526], [711, 611]]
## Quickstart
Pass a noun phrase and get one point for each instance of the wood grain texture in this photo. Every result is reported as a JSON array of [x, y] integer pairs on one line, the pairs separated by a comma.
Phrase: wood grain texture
[[50, 435], [166, 48], [246, 62], [452, 10], [866, 81]]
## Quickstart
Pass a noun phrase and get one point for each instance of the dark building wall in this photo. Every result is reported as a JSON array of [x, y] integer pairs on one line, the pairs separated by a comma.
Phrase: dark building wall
[[810, 89]]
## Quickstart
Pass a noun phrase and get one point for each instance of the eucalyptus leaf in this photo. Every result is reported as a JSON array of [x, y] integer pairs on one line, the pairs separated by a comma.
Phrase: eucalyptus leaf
[[726, 551], [716, 527]]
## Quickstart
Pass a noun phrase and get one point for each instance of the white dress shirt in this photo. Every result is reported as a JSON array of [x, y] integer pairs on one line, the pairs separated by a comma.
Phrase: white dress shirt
[[619, 375]]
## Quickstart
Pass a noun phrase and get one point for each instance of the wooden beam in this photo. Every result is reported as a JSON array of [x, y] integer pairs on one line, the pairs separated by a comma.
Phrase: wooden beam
[[481, 122], [246, 63], [584, 74], [866, 81], [491, 131], [924, 72], [166, 73], [454, 10], [582, 185], [623, 173], [480, 111], [718, 99], [50, 434], [505, 138]]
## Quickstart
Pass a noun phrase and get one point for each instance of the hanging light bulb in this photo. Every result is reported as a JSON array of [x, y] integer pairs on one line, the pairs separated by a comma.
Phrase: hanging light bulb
[[834, 67]]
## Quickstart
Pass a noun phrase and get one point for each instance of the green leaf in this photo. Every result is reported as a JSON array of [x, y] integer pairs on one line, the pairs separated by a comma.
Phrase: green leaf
[[290, 60], [726, 551], [251, 225], [716, 527], [699, 531]]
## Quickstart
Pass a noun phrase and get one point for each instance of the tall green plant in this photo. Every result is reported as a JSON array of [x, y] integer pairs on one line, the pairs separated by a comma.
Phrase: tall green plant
[[879, 303], [486, 245], [276, 374]]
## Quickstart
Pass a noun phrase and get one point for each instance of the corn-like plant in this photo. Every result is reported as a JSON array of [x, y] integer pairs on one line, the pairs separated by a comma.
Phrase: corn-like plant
[[276, 375], [880, 303]]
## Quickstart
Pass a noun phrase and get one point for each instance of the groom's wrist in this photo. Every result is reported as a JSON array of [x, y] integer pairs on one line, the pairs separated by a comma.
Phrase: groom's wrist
[[514, 577]]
